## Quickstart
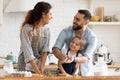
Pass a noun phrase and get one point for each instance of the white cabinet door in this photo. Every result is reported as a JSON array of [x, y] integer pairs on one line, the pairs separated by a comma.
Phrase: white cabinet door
[[1, 11]]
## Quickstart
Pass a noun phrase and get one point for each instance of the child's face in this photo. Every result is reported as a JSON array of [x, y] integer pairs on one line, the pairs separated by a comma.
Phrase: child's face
[[75, 44]]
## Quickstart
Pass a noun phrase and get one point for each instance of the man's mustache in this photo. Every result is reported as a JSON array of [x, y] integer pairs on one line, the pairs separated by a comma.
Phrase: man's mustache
[[75, 23]]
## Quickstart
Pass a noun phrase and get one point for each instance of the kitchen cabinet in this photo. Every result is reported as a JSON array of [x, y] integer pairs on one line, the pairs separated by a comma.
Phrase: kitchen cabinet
[[1, 11]]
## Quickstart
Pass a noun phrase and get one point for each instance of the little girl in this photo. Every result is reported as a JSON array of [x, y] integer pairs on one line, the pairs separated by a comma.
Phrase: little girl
[[77, 44]]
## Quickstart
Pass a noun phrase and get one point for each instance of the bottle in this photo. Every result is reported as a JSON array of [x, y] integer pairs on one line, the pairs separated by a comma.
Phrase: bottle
[[100, 69]]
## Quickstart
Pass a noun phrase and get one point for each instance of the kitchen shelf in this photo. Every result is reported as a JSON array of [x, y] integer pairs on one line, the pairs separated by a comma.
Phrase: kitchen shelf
[[104, 23], [93, 5]]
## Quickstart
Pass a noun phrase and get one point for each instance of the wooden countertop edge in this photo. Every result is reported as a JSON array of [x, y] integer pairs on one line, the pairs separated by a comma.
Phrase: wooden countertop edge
[[15, 66], [114, 66], [55, 66], [37, 77], [109, 66]]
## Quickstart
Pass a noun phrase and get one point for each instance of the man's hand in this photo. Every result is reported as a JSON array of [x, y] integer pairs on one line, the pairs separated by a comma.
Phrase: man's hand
[[82, 59], [65, 58], [62, 57]]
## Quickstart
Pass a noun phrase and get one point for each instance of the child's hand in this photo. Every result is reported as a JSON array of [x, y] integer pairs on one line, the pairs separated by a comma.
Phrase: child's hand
[[68, 75], [65, 74], [75, 74], [68, 60]]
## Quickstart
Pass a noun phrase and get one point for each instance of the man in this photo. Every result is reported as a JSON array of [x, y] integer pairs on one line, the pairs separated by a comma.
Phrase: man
[[80, 21]]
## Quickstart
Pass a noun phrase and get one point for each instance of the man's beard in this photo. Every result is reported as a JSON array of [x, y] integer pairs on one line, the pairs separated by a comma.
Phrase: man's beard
[[77, 27]]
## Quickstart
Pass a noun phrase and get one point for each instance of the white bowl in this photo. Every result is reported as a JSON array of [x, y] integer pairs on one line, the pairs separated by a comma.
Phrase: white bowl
[[117, 17]]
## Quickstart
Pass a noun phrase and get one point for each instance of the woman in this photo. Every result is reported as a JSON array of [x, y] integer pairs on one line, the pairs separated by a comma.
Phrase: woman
[[35, 38]]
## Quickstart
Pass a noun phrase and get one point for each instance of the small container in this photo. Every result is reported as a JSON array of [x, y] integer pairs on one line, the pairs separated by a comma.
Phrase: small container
[[8, 66], [108, 19], [117, 17], [11, 57], [101, 13], [95, 18]]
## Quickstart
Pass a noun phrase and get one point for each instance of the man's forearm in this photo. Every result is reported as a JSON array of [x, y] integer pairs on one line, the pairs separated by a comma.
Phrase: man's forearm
[[56, 52], [82, 59]]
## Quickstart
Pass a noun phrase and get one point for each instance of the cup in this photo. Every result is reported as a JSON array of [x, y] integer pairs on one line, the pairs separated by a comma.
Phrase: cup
[[12, 58]]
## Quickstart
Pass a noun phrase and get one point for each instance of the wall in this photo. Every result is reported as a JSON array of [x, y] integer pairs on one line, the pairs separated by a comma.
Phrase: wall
[[1, 13], [63, 13]]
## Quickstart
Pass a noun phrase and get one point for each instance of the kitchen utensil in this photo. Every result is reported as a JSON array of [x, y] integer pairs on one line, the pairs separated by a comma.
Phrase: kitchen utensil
[[103, 50], [109, 61]]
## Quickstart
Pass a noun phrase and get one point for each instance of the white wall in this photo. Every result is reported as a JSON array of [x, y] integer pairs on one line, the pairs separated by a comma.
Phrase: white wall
[[63, 13], [1, 13]]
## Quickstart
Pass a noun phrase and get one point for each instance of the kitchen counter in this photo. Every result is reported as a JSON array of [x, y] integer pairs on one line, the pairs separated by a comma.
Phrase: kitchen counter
[[46, 66], [52, 77], [15, 66], [109, 66], [37, 77], [55, 66], [114, 66]]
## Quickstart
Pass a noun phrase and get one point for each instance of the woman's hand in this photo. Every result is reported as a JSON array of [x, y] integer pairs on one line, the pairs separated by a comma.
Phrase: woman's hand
[[42, 64], [42, 69], [35, 67]]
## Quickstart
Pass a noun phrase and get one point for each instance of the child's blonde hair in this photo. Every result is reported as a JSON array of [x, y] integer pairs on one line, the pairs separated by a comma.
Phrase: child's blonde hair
[[82, 41]]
